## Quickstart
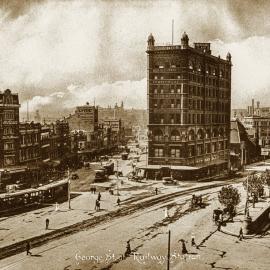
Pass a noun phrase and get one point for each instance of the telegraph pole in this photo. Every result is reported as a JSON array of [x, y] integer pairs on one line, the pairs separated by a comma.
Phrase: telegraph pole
[[117, 177], [169, 250], [69, 206]]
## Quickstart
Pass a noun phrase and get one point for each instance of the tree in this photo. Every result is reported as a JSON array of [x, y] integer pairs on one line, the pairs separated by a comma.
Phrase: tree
[[229, 196], [255, 184], [266, 179]]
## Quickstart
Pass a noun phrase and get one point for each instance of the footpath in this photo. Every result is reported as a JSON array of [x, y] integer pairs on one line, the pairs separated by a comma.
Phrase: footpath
[[259, 220], [30, 226]]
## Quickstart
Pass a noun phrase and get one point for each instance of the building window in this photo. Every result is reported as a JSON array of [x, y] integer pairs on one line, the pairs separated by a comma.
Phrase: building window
[[9, 161], [158, 152], [178, 77], [8, 146], [156, 77], [172, 91], [161, 91], [161, 77], [175, 136], [155, 91], [158, 135], [175, 152], [9, 115]]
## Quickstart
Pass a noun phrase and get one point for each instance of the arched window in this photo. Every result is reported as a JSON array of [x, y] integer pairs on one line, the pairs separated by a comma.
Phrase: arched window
[[175, 136], [221, 132], [158, 135], [208, 134], [191, 135], [215, 132], [200, 134], [190, 64]]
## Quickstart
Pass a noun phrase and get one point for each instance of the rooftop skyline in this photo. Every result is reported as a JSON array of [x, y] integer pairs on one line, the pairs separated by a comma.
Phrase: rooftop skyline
[[60, 54]]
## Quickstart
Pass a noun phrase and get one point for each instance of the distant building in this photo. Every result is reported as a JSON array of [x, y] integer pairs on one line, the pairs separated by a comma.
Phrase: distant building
[[239, 113], [243, 150], [9, 129], [129, 117], [189, 103], [30, 138], [258, 129], [85, 118]]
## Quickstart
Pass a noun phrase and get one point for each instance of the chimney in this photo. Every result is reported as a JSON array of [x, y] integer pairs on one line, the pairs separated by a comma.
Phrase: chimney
[[258, 104], [252, 110]]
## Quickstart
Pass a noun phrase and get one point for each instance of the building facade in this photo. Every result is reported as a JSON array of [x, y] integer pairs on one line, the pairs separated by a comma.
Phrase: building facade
[[30, 139], [85, 118], [9, 129], [258, 129], [189, 104]]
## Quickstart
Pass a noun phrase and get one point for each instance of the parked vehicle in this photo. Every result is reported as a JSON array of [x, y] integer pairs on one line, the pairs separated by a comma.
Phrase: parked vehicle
[[109, 168], [74, 176], [168, 181], [100, 175], [124, 156]]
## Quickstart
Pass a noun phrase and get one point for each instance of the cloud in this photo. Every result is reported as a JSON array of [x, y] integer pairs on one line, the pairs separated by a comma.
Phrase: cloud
[[48, 46], [132, 93], [250, 70]]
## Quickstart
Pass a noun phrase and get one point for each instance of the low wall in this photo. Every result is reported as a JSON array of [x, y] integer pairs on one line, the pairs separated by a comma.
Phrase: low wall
[[261, 223]]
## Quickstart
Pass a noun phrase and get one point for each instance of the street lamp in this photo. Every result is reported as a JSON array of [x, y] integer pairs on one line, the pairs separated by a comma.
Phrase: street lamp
[[117, 176], [69, 206], [246, 208]]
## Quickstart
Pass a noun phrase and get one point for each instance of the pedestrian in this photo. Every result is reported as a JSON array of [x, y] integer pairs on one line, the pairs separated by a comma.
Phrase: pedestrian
[[193, 240], [96, 204], [95, 189], [241, 235], [28, 247], [156, 189], [99, 196], [219, 225], [47, 221], [253, 202], [184, 248], [118, 201], [128, 249]]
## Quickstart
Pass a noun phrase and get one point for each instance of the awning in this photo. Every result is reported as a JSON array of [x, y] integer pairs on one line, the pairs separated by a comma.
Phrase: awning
[[232, 153], [54, 184], [174, 168], [213, 163]]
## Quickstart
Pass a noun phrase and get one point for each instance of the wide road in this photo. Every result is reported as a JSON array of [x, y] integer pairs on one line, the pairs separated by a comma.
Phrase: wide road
[[103, 247]]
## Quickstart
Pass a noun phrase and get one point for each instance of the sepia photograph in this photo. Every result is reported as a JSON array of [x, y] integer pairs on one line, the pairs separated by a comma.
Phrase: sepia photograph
[[134, 134]]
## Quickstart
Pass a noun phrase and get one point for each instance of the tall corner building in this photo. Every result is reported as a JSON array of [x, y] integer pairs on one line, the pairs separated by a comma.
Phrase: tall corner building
[[189, 104]]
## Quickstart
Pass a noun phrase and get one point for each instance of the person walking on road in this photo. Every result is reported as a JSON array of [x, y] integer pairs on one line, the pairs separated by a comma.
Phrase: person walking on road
[[47, 221], [184, 248], [28, 247], [241, 235], [156, 190], [193, 240], [128, 249], [96, 206], [118, 201], [99, 196]]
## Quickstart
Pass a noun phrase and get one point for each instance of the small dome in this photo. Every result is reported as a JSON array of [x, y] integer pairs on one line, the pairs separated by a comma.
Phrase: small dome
[[228, 57], [150, 38], [185, 36]]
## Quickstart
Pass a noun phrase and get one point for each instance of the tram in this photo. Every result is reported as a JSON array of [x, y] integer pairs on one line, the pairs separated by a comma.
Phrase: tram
[[55, 191]]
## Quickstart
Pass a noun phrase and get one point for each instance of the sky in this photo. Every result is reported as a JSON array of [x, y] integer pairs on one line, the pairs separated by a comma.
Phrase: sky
[[58, 54]]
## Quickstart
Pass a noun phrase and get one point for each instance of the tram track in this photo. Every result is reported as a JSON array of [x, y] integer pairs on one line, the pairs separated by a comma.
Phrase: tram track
[[36, 241]]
